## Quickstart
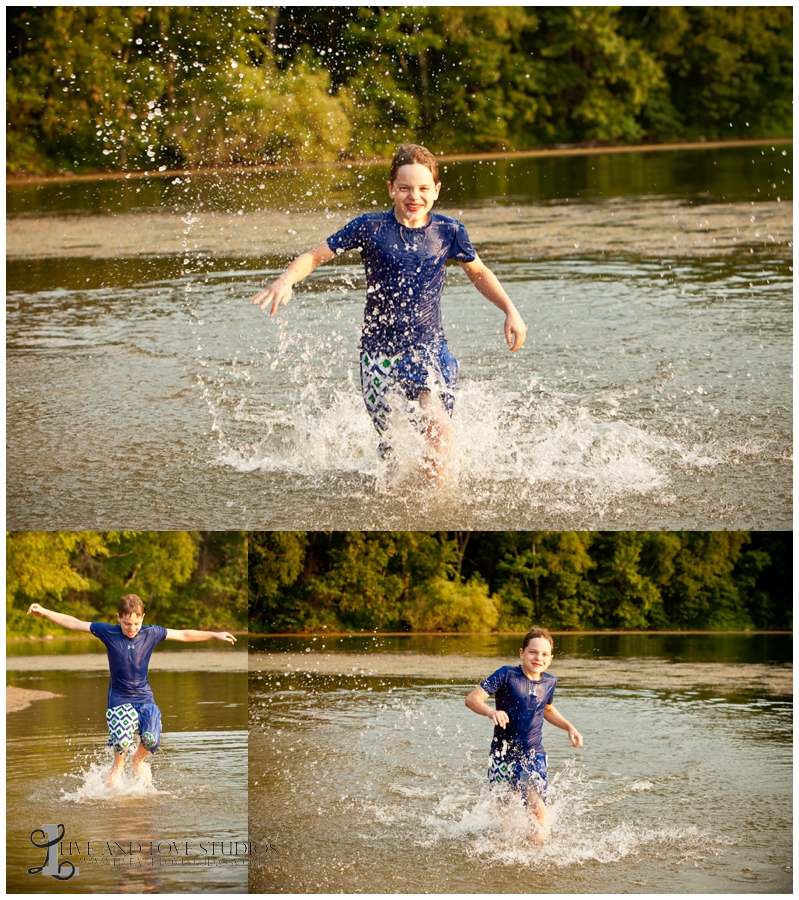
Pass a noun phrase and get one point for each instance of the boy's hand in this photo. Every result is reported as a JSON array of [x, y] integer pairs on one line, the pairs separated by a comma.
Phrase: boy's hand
[[575, 737], [225, 636], [515, 330], [35, 610], [499, 717], [278, 294]]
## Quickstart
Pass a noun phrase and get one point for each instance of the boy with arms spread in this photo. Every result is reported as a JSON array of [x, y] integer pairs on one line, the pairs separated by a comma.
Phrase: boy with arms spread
[[131, 705], [403, 351], [523, 698]]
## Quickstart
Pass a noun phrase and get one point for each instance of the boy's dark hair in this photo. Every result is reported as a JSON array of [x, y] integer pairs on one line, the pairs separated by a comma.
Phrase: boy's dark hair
[[534, 633], [408, 154], [130, 603]]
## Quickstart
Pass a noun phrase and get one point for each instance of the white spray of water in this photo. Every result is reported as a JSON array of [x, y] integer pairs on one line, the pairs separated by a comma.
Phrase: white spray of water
[[520, 439], [129, 785], [496, 827]]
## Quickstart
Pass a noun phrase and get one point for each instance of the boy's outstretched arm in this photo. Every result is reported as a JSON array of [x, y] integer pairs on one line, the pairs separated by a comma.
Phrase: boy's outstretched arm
[[476, 703], [552, 716], [279, 292], [173, 634], [488, 284], [61, 619]]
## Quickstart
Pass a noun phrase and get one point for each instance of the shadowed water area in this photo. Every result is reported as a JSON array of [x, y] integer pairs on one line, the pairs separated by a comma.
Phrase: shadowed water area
[[142, 838], [654, 389], [368, 773]]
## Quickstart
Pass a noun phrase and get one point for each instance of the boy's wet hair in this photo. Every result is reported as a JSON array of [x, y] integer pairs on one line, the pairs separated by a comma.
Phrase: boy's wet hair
[[408, 154], [130, 603], [534, 633]]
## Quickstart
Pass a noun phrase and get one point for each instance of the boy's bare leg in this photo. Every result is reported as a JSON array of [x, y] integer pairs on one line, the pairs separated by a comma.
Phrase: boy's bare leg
[[538, 815], [437, 430], [142, 771], [116, 769]]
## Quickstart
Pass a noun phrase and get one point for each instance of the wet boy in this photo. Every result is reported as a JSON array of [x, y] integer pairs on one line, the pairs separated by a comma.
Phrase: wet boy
[[131, 705], [403, 352], [523, 698]]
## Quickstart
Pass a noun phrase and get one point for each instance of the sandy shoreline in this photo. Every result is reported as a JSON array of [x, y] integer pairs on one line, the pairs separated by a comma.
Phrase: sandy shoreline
[[653, 228], [648, 674], [557, 150], [168, 661], [21, 698]]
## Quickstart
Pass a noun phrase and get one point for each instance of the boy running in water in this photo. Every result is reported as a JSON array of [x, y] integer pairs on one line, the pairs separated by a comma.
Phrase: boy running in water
[[523, 703], [131, 705], [403, 352]]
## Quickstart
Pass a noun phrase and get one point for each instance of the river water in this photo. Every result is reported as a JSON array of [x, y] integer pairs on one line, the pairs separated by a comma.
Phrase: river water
[[144, 390], [56, 758], [368, 773]]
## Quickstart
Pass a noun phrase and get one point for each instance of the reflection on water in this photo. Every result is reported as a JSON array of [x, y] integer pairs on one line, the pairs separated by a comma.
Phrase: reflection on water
[[653, 390], [56, 761], [763, 648], [56, 646], [731, 174], [379, 783]]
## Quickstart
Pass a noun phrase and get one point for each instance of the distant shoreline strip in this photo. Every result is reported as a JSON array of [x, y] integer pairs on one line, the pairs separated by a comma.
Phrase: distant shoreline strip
[[379, 161]]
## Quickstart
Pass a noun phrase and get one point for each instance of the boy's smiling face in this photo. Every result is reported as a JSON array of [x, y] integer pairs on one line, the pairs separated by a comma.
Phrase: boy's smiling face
[[414, 192], [536, 657], [131, 624]]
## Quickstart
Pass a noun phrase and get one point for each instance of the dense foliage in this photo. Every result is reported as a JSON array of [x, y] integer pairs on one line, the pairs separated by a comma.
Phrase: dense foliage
[[150, 87], [485, 581], [186, 579]]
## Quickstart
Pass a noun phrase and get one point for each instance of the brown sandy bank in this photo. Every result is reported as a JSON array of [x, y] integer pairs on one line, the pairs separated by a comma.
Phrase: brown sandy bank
[[21, 698], [168, 661], [647, 674], [650, 227]]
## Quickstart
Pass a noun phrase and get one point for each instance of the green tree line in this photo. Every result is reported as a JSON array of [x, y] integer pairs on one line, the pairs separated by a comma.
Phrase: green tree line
[[127, 87], [507, 581], [186, 579]]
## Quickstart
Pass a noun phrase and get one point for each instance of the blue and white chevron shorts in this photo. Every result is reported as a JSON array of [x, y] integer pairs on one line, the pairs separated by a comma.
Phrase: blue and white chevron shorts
[[124, 721], [406, 374], [519, 771]]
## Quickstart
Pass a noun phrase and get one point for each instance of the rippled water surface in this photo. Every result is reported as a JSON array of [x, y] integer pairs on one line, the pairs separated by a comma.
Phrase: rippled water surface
[[654, 389], [377, 782], [56, 760]]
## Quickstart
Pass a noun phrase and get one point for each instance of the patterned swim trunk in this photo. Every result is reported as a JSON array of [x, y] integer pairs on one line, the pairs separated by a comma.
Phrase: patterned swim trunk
[[519, 771], [124, 721], [406, 374]]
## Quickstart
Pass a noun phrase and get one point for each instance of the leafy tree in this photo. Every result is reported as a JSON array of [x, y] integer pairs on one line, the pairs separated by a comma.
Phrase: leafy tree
[[765, 571], [703, 592], [544, 578], [374, 575], [462, 581], [65, 92], [597, 80], [186, 579], [444, 605], [728, 69], [39, 569], [145, 87], [275, 561]]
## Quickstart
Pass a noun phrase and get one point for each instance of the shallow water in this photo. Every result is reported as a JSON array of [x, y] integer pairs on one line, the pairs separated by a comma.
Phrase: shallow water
[[377, 783], [654, 389], [55, 765]]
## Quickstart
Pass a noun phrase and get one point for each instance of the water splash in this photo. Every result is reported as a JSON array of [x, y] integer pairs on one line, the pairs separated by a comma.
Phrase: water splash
[[95, 787], [497, 436], [496, 827]]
